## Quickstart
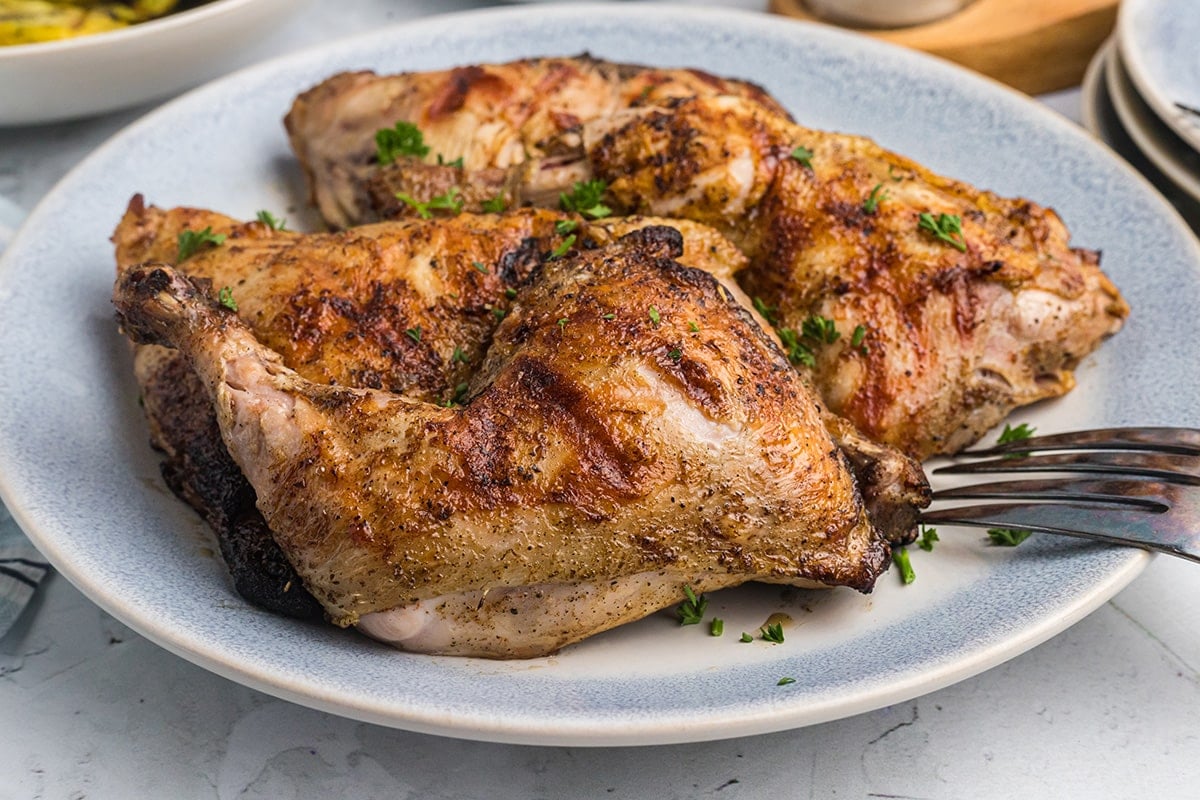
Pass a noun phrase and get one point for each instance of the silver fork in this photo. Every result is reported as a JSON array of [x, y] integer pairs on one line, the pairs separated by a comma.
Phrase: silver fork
[[1148, 495]]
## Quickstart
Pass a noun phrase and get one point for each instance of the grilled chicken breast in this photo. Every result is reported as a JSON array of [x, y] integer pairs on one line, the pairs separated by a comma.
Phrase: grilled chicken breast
[[630, 431], [923, 309]]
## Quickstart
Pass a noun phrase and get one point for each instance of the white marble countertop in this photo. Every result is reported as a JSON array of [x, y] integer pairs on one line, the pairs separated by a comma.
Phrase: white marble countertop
[[1109, 708]]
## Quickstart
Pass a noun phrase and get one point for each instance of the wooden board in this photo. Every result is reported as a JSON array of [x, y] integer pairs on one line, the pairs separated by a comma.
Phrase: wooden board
[[1034, 45]]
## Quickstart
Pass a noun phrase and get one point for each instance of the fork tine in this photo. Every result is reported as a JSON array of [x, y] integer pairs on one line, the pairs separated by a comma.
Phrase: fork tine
[[1163, 466], [1185, 441], [1150, 495], [1130, 525]]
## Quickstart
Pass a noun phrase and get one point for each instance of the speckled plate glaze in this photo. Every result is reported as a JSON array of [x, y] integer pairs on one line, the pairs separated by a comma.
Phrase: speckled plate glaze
[[77, 474], [1158, 43]]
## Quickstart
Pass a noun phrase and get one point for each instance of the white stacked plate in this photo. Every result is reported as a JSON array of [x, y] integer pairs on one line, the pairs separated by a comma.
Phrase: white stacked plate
[[1142, 96]]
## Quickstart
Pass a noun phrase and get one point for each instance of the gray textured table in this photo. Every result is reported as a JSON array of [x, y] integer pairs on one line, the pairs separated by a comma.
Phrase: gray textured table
[[1110, 708]]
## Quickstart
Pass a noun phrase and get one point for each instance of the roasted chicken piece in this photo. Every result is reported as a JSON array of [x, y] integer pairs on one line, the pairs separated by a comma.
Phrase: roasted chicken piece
[[507, 122], [631, 429], [923, 309], [407, 306]]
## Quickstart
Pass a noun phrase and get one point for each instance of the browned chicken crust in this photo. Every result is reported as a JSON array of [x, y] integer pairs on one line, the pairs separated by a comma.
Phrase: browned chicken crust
[[494, 117], [939, 336], [630, 419]]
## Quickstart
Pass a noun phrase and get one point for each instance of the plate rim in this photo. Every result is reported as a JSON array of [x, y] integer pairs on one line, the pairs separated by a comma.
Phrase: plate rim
[[1146, 128], [1142, 78], [585, 732]]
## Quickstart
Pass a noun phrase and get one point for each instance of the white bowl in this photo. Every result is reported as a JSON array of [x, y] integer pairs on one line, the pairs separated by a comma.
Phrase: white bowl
[[58, 80]]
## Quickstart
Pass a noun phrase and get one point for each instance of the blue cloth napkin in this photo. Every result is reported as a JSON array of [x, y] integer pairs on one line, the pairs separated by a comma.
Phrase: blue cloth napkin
[[22, 567]]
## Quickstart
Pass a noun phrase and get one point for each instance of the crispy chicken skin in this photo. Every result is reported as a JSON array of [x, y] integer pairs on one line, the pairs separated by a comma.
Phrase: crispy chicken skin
[[601, 446], [957, 330], [339, 308], [495, 117]]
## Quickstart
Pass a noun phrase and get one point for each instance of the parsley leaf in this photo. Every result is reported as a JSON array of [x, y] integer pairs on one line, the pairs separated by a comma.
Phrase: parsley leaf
[[784, 681], [946, 227], [821, 330], [414, 333], [458, 162], [928, 537], [271, 221], [767, 312], [716, 627], [691, 610], [585, 198], [655, 317], [225, 298], [856, 339], [871, 204], [900, 557], [450, 201], [797, 351], [562, 249], [675, 354], [565, 226], [1017, 434], [1008, 537], [405, 139], [190, 241], [746, 637], [496, 204], [773, 632], [803, 155]]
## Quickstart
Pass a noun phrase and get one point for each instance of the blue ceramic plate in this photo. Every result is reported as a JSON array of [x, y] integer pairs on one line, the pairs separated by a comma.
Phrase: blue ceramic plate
[[78, 476]]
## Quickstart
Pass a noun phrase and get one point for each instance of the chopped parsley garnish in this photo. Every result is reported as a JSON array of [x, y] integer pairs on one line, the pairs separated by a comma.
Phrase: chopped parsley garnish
[[772, 632], [190, 241], [691, 610], [675, 354], [693, 327], [946, 227], [225, 298], [928, 537], [479, 265], [797, 351], [871, 204], [565, 226], [499, 313], [562, 249], [414, 333], [510, 293], [459, 356], [458, 162], [655, 317], [821, 330], [460, 392], [785, 681], [585, 198], [450, 201], [803, 155], [716, 627], [496, 204], [1008, 537], [405, 139], [767, 312], [562, 324], [609, 316], [856, 339], [271, 221], [746, 637], [900, 556], [1017, 434]]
